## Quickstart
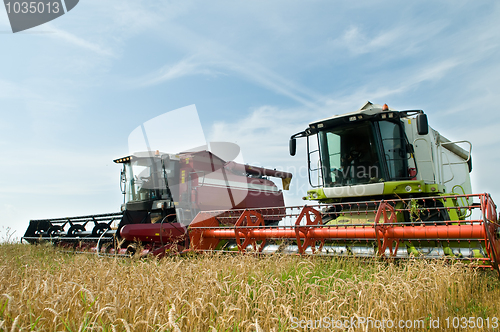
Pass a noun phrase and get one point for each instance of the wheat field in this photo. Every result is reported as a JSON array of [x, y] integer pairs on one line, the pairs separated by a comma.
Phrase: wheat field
[[45, 289]]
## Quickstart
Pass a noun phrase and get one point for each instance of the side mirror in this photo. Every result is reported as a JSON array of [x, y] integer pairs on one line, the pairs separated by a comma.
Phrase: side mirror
[[293, 146], [422, 125], [123, 181]]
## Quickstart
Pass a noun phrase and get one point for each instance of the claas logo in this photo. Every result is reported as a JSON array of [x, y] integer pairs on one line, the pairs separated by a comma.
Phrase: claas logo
[[28, 14]]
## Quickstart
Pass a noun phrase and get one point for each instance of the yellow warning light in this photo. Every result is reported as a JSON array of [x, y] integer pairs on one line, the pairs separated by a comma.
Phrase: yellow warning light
[[385, 107], [122, 160]]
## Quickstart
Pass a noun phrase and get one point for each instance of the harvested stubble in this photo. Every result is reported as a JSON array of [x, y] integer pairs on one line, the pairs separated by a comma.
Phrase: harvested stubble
[[44, 289]]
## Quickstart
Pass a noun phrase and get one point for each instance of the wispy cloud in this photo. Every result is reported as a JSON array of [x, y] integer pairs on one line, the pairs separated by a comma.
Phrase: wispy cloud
[[392, 40], [435, 72], [213, 58], [358, 42], [409, 79], [267, 78], [10, 90], [186, 67], [79, 42]]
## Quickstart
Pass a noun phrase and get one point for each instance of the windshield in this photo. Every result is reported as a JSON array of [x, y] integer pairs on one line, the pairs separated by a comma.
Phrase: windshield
[[351, 154], [145, 180]]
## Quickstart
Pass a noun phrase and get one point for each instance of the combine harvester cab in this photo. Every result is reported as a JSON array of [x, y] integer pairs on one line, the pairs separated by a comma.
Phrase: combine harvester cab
[[384, 183], [162, 195]]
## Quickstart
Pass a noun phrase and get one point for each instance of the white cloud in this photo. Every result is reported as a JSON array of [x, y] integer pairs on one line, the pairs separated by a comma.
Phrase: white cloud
[[55, 182], [78, 41], [391, 41], [213, 59], [434, 72], [129, 17], [270, 80], [186, 67], [11, 90]]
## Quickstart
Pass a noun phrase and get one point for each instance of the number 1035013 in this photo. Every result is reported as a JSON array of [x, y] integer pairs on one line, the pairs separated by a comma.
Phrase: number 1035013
[[33, 7], [472, 322]]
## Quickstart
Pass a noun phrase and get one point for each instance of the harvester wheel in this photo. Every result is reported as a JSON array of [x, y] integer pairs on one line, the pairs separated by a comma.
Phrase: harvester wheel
[[99, 229]]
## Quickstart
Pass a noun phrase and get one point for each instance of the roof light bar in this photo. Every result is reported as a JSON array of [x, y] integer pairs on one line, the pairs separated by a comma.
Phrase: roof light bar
[[122, 160]]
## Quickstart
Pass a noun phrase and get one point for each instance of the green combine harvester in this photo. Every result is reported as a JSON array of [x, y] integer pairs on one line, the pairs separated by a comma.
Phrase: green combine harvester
[[383, 183]]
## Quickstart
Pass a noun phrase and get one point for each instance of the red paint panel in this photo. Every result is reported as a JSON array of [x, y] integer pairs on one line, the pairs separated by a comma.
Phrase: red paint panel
[[157, 233]]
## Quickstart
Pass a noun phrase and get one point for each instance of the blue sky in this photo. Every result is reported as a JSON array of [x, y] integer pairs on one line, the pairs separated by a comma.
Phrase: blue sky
[[72, 90]]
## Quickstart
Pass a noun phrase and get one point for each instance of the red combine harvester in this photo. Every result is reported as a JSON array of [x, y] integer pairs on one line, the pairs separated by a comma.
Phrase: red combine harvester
[[384, 184], [162, 195]]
